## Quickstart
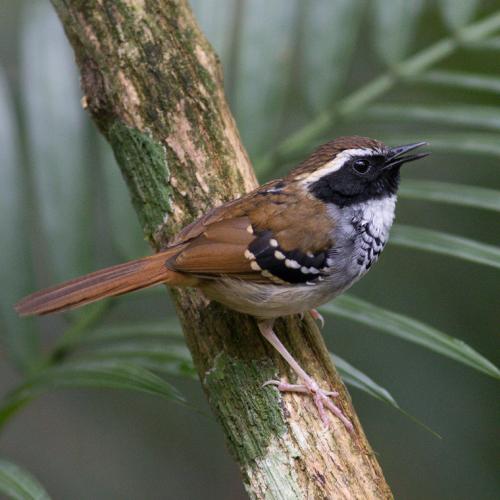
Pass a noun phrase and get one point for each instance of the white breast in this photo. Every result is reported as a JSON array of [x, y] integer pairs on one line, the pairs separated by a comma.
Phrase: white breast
[[360, 236], [377, 214]]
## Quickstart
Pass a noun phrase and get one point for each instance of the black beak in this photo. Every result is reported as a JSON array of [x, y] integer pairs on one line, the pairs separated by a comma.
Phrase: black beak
[[396, 156]]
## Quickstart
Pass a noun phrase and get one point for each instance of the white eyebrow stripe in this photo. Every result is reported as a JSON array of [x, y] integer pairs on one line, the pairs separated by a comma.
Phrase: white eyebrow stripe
[[337, 163]]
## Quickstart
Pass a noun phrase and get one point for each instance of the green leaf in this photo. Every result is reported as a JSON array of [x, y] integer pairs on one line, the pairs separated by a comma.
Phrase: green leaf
[[130, 350], [409, 329], [18, 336], [455, 194], [471, 143], [461, 80], [445, 244], [56, 143], [77, 330], [489, 44], [335, 25], [356, 378], [482, 144], [486, 117], [173, 359], [168, 364], [167, 329], [304, 139], [394, 26], [457, 14], [251, 97], [18, 484], [109, 374], [174, 367]]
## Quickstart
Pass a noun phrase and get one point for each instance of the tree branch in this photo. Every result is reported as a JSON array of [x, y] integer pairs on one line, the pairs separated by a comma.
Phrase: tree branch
[[153, 85]]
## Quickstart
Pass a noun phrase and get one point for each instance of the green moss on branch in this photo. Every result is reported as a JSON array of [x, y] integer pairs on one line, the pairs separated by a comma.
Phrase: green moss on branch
[[143, 162]]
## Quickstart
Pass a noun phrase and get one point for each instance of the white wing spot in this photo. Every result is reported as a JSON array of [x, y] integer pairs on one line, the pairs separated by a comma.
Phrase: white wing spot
[[292, 264], [273, 242], [255, 266], [279, 255]]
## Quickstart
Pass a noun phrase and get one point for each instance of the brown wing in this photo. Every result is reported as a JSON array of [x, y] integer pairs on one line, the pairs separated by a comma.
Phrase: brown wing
[[274, 234], [219, 249], [218, 241], [241, 207], [296, 219]]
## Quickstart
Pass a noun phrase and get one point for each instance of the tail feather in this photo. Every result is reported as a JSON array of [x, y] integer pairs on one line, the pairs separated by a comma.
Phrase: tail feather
[[115, 280]]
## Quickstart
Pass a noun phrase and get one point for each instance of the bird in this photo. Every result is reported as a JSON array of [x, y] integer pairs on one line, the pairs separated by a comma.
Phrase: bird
[[285, 248]]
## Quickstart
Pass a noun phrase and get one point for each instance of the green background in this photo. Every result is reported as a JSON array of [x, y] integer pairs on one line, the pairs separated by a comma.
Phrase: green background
[[65, 211]]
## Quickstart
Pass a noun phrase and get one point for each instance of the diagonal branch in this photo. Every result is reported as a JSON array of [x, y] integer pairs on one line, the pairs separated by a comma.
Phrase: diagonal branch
[[153, 86]]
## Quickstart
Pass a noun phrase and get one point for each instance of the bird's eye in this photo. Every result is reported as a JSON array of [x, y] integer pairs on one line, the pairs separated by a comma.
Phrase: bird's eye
[[361, 166]]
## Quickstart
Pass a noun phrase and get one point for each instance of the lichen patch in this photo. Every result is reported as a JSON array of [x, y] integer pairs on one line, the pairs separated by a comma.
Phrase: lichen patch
[[131, 99], [273, 475]]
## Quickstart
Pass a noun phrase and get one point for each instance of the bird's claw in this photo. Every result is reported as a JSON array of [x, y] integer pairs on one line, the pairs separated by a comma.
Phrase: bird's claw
[[317, 317], [320, 397]]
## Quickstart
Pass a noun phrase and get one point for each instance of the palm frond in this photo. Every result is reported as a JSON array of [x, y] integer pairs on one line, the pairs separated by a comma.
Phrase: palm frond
[[95, 373], [445, 244], [454, 115], [356, 378], [19, 484], [474, 144], [301, 141], [409, 329], [459, 79], [454, 194]]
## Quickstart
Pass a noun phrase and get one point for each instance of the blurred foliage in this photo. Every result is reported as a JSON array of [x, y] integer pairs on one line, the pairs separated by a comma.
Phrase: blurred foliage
[[19, 484], [296, 73]]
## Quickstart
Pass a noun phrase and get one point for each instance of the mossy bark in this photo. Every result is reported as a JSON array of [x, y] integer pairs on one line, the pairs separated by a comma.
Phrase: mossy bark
[[153, 86]]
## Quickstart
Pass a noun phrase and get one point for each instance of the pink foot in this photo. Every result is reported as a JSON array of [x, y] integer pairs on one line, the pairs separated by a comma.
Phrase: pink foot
[[317, 317], [320, 397]]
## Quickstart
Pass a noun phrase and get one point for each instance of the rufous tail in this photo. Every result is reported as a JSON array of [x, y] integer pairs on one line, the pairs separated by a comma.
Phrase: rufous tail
[[115, 280]]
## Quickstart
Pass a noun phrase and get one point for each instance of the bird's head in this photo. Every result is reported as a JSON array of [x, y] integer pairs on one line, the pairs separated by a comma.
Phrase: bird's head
[[352, 170]]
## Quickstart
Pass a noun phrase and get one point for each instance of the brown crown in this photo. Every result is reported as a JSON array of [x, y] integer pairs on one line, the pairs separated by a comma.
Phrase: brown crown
[[326, 152]]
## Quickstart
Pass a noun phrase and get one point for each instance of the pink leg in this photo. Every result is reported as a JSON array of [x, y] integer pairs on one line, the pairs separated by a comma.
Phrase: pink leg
[[321, 398]]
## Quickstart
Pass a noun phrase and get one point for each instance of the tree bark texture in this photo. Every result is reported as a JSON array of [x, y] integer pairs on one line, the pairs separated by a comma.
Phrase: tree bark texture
[[153, 86]]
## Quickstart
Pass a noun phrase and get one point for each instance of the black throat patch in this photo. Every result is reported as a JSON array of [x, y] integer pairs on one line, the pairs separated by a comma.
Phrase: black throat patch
[[343, 188]]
